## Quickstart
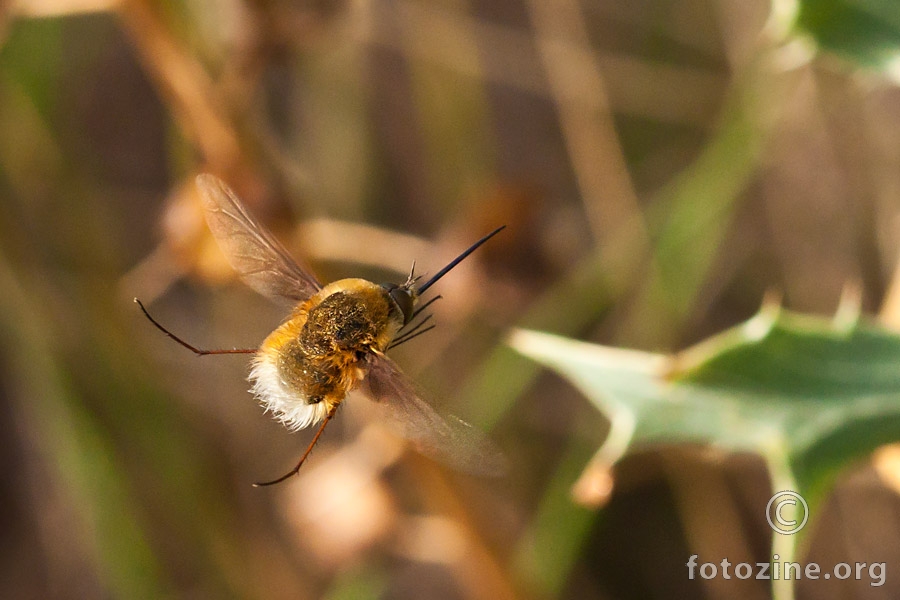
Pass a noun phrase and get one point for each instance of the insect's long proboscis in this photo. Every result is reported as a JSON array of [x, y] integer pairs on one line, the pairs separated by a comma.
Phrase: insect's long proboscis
[[421, 289]]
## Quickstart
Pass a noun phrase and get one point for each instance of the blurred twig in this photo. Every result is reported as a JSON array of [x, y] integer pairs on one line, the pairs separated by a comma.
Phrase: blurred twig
[[655, 90], [186, 86], [572, 71]]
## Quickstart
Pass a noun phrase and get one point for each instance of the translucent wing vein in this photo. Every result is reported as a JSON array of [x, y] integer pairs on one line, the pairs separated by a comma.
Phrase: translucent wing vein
[[263, 263], [448, 440]]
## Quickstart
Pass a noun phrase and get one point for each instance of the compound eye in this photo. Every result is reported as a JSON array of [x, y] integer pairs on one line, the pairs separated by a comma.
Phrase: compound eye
[[404, 300]]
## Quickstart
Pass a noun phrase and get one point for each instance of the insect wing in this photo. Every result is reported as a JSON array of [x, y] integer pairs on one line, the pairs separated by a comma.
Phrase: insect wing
[[448, 440], [263, 263]]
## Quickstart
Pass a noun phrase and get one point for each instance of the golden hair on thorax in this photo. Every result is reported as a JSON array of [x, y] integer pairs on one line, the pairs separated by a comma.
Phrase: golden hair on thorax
[[335, 340]]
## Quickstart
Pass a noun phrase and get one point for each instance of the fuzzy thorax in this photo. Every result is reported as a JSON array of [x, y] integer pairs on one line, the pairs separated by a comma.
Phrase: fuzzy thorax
[[306, 367]]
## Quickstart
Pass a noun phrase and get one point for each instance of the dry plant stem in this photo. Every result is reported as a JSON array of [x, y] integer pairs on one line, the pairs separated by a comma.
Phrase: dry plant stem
[[591, 140], [699, 484], [480, 573], [889, 315], [343, 241], [689, 91], [184, 84], [152, 276]]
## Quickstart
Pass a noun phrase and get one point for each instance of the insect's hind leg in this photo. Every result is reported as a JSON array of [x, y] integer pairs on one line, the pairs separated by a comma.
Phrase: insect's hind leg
[[309, 448], [197, 351]]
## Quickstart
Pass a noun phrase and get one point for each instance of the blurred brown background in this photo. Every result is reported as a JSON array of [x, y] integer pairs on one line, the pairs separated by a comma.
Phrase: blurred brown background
[[660, 164]]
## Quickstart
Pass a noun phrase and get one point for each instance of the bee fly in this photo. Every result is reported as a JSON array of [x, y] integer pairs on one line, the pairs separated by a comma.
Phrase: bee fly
[[334, 341]]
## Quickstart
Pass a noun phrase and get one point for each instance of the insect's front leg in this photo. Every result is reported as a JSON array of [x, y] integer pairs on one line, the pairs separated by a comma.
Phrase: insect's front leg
[[195, 350]]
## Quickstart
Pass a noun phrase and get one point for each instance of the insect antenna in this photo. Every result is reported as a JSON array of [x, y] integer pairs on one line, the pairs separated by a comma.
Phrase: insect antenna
[[412, 277], [197, 351], [421, 289], [309, 448], [411, 333]]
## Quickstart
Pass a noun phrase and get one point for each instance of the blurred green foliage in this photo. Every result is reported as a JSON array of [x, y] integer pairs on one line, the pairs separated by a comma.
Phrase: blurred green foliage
[[809, 396], [867, 32]]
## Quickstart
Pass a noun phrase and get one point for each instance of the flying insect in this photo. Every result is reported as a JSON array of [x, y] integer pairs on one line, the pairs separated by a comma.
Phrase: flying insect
[[334, 341]]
